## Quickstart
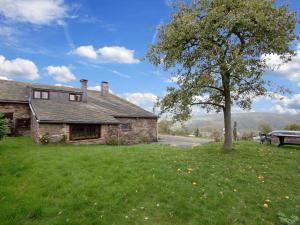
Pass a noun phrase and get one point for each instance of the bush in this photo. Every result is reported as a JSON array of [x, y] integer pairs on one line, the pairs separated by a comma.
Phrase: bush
[[112, 137], [45, 139], [265, 128], [4, 129], [293, 126], [248, 136], [217, 135]]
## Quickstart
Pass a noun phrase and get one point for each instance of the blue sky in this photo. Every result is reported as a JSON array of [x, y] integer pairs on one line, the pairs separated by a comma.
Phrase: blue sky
[[60, 42]]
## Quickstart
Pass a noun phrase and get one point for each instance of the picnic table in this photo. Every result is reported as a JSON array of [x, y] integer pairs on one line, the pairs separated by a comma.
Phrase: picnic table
[[283, 134]]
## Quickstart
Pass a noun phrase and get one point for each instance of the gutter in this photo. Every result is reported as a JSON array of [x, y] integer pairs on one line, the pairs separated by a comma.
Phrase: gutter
[[76, 122], [13, 101], [33, 112]]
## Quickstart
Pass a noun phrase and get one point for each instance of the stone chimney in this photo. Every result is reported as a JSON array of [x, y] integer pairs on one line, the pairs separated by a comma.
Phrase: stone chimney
[[104, 88], [83, 87]]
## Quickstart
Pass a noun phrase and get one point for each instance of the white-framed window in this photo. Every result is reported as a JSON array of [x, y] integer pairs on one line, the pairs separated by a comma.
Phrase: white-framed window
[[40, 94], [75, 97]]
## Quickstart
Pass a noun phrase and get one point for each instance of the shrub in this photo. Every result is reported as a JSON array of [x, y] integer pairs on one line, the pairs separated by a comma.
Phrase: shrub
[[3, 127], [265, 128], [63, 139], [45, 139], [293, 126], [217, 135], [112, 137], [248, 136]]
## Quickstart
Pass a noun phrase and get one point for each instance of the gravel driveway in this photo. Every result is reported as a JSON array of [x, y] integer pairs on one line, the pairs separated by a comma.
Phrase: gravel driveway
[[182, 141]]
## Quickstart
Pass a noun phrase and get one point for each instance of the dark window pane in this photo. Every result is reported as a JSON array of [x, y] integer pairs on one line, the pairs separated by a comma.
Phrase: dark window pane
[[80, 132], [126, 126], [23, 124]]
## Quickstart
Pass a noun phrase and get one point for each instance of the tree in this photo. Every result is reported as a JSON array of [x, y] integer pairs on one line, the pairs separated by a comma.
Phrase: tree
[[197, 132], [216, 50], [235, 131], [265, 128], [164, 127], [293, 126], [3, 127]]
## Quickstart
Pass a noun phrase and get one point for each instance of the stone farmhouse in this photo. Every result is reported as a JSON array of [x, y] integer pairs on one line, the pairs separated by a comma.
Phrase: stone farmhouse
[[74, 115]]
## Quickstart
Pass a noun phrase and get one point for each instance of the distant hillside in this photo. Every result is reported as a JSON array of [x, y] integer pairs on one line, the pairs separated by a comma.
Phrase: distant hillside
[[246, 121]]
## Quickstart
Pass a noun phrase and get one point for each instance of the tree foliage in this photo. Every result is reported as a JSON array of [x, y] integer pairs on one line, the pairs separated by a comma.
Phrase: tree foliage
[[217, 49], [265, 128], [3, 127], [293, 126]]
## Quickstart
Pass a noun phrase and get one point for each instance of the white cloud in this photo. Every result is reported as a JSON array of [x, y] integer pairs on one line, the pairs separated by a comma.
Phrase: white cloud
[[119, 73], [18, 68], [98, 88], [117, 54], [95, 88], [61, 73], [38, 12], [144, 100], [290, 70], [63, 85], [4, 78], [107, 54], [282, 104], [87, 51]]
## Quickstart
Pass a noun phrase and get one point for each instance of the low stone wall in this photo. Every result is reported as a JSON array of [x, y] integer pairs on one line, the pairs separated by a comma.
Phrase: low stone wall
[[143, 130]]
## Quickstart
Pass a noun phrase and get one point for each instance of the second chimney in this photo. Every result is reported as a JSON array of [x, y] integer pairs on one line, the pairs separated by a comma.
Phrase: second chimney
[[104, 88], [83, 83]]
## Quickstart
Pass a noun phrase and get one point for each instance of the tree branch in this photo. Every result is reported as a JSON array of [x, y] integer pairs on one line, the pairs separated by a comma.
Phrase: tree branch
[[213, 87], [208, 103]]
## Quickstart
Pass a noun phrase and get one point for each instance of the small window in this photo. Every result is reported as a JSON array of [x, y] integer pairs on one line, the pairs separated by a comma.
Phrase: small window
[[37, 94], [41, 94], [45, 95], [74, 97], [126, 127]]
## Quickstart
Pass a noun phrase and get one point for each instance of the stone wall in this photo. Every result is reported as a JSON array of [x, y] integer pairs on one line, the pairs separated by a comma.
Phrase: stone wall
[[143, 130], [34, 128], [55, 132], [20, 111], [61, 132]]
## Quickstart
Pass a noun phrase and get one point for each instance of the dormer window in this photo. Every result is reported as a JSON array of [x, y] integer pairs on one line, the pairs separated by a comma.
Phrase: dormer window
[[75, 98], [40, 94]]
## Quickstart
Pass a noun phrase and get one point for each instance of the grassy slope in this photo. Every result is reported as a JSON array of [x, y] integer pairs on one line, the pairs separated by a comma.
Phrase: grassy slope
[[146, 184]]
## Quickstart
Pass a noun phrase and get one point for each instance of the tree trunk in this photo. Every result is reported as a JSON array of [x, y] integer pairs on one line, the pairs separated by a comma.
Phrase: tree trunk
[[227, 123]]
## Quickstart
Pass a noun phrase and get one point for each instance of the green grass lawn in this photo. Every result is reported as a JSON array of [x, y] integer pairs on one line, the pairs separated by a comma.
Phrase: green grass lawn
[[147, 184]]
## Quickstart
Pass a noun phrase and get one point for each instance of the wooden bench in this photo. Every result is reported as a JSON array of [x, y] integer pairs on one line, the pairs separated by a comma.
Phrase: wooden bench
[[283, 134]]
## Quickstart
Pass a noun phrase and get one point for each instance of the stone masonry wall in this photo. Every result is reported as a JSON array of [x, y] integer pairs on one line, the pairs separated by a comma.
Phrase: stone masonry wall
[[34, 127], [56, 132], [60, 132], [19, 110], [143, 130]]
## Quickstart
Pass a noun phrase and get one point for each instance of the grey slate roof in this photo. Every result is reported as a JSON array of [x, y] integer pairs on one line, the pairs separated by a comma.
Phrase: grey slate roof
[[71, 112], [98, 109]]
